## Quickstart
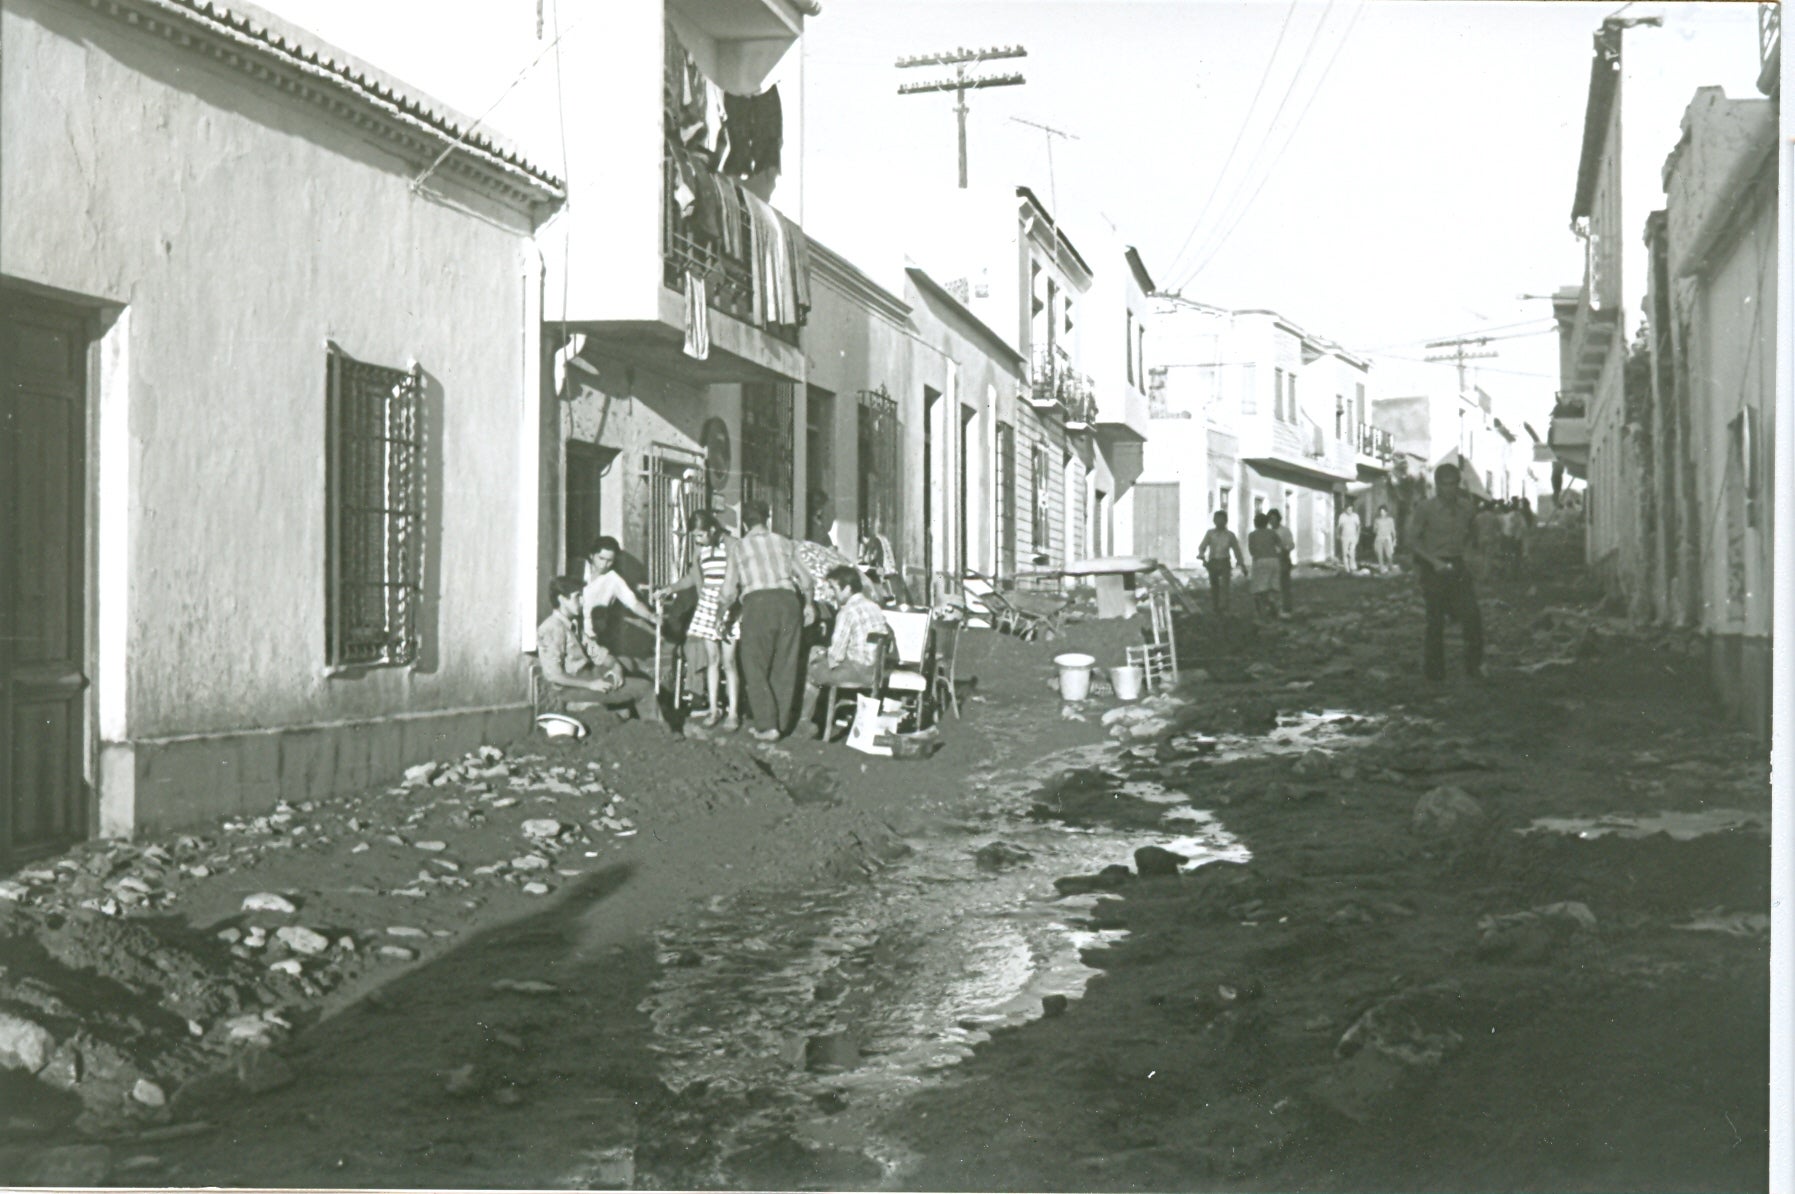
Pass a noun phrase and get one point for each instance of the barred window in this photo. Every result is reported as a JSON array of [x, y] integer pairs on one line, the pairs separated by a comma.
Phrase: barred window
[[375, 512]]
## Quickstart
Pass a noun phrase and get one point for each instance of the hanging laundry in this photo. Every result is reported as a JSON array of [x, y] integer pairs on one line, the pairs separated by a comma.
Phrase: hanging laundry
[[698, 327], [755, 125]]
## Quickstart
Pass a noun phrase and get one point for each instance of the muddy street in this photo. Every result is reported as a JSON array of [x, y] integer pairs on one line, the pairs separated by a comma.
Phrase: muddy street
[[1307, 923]]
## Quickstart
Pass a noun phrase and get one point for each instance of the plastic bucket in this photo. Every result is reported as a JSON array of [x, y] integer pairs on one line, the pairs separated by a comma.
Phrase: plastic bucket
[[1126, 681], [1075, 675]]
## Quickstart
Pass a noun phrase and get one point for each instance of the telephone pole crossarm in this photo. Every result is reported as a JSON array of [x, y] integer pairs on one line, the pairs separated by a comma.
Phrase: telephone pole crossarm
[[961, 82]]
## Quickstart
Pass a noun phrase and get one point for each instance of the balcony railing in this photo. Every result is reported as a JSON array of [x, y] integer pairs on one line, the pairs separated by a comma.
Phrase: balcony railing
[[729, 279], [1055, 383], [1376, 443]]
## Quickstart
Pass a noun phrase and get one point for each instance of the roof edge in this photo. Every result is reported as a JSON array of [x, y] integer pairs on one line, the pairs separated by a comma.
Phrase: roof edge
[[292, 61], [979, 327]]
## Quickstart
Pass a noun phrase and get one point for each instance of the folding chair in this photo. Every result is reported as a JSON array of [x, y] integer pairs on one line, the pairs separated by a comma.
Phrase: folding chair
[[910, 679], [1158, 658], [942, 675], [839, 696], [1025, 624]]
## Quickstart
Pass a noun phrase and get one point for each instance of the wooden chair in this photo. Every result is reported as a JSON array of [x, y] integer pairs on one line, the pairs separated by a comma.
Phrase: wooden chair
[[942, 678], [839, 696], [1157, 658]]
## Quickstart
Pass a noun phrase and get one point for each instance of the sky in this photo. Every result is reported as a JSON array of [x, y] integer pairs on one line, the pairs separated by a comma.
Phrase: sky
[[1383, 172]]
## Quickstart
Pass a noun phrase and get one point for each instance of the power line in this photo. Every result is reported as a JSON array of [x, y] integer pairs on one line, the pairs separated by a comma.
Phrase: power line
[[1215, 189], [1282, 149], [1271, 133], [1476, 332]]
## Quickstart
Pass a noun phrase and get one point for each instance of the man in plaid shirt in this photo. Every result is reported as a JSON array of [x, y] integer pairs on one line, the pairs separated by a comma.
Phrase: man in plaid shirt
[[765, 574], [849, 659]]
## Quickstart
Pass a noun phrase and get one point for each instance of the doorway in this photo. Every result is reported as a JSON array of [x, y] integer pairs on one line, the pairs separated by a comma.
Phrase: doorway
[[582, 481], [43, 582]]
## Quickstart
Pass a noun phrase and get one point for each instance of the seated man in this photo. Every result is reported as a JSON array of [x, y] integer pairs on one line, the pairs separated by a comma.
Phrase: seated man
[[849, 658], [580, 673]]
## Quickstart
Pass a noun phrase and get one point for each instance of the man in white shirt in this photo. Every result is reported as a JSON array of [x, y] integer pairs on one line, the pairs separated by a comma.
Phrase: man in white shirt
[[1349, 527], [604, 587]]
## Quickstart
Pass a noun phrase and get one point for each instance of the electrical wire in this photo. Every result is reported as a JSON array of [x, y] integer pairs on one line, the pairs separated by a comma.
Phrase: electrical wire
[[1247, 120], [1288, 140], [1466, 335]]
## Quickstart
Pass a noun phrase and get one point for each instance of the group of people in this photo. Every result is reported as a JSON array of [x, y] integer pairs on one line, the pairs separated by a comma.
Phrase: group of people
[[762, 599], [1455, 540]]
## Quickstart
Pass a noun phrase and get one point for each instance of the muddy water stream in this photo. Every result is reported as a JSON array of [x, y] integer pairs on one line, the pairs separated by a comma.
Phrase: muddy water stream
[[802, 1020]]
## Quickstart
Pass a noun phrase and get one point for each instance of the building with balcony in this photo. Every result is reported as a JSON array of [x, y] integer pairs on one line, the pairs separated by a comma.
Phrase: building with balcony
[[1709, 407], [1640, 69], [1254, 414], [270, 420], [1446, 426]]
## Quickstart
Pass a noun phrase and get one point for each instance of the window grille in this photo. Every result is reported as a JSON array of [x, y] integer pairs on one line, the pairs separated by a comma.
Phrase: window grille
[[1037, 467], [881, 460], [375, 515]]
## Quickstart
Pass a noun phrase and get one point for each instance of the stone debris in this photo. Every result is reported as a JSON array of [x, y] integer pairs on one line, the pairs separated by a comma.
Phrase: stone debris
[[267, 901], [302, 940], [526, 986], [24, 1044], [997, 856], [1447, 812], [542, 827], [148, 1093], [398, 952], [1155, 861]]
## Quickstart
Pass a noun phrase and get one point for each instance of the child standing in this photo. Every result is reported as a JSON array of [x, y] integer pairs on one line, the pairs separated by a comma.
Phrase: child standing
[[1214, 551], [1267, 551]]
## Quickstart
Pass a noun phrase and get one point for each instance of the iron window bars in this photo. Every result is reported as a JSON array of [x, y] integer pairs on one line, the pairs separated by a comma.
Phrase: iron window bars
[[375, 512]]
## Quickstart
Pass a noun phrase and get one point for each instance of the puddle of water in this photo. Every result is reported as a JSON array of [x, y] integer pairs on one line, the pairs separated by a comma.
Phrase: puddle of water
[[1293, 734], [1681, 827], [861, 995]]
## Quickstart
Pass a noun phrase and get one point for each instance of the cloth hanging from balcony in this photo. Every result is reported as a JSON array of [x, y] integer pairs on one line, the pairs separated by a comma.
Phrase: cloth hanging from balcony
[[698, 327], [779, 260], [755, 128]]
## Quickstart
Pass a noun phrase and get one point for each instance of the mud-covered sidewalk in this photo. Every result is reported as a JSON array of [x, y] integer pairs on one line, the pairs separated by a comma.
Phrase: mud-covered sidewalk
[[1496, 935]]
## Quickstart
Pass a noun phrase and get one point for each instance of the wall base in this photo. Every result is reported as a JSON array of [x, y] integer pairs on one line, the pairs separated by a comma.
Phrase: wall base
[[154, 784], [1739, 670]]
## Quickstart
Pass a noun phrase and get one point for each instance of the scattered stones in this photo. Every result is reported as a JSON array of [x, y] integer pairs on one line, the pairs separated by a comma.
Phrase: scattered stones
[[998, 856], [526, 986], [302, 940], [24, 1044], [1053, 1006], [398, 953], [535, 888], [1155, 862], [543, 827], [405, 931], [421, 774], [432, 847], [287, 966], [12, 890], [1110, 878], [530, 862], [1447, 812], [267, 901], [260, 1071], [831, 1052], [148, 1093]]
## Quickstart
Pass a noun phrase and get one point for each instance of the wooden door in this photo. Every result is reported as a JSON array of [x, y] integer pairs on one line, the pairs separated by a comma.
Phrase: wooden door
[[43, 802], [1156, 522]]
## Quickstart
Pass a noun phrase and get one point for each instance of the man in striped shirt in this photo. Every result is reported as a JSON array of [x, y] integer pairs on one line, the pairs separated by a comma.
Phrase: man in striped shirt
[[767, 577], [850, 657]]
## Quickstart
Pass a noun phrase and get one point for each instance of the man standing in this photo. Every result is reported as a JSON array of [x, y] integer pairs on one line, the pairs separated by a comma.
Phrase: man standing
[[1383, 535], [1286, 556], [1349, 527], [849, 658], [580, 674], [1214, 551], [1440, 538], [766, 576]]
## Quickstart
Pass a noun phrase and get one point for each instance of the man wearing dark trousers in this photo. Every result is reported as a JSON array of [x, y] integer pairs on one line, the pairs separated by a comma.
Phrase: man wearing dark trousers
[[1440, 537], [765, 574]]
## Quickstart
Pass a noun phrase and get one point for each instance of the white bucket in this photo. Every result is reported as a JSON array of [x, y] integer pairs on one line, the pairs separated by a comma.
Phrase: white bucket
[[1075, 675], [1126, 681]]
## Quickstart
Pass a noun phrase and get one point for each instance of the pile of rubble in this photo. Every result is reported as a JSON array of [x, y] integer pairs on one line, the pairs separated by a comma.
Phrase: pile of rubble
[[120, 1013]]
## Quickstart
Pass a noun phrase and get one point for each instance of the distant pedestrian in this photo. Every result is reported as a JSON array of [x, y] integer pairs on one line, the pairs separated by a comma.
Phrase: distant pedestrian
[[1349, 526], [1514, 535], [1286, 558], [1267, 552], [1440, 538], [767, 577], [1217, 546], [1486, 540], [1383, 531]]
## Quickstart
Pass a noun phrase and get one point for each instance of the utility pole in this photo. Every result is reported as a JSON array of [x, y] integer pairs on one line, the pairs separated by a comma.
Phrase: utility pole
[[961, 82], [1460, 354]]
